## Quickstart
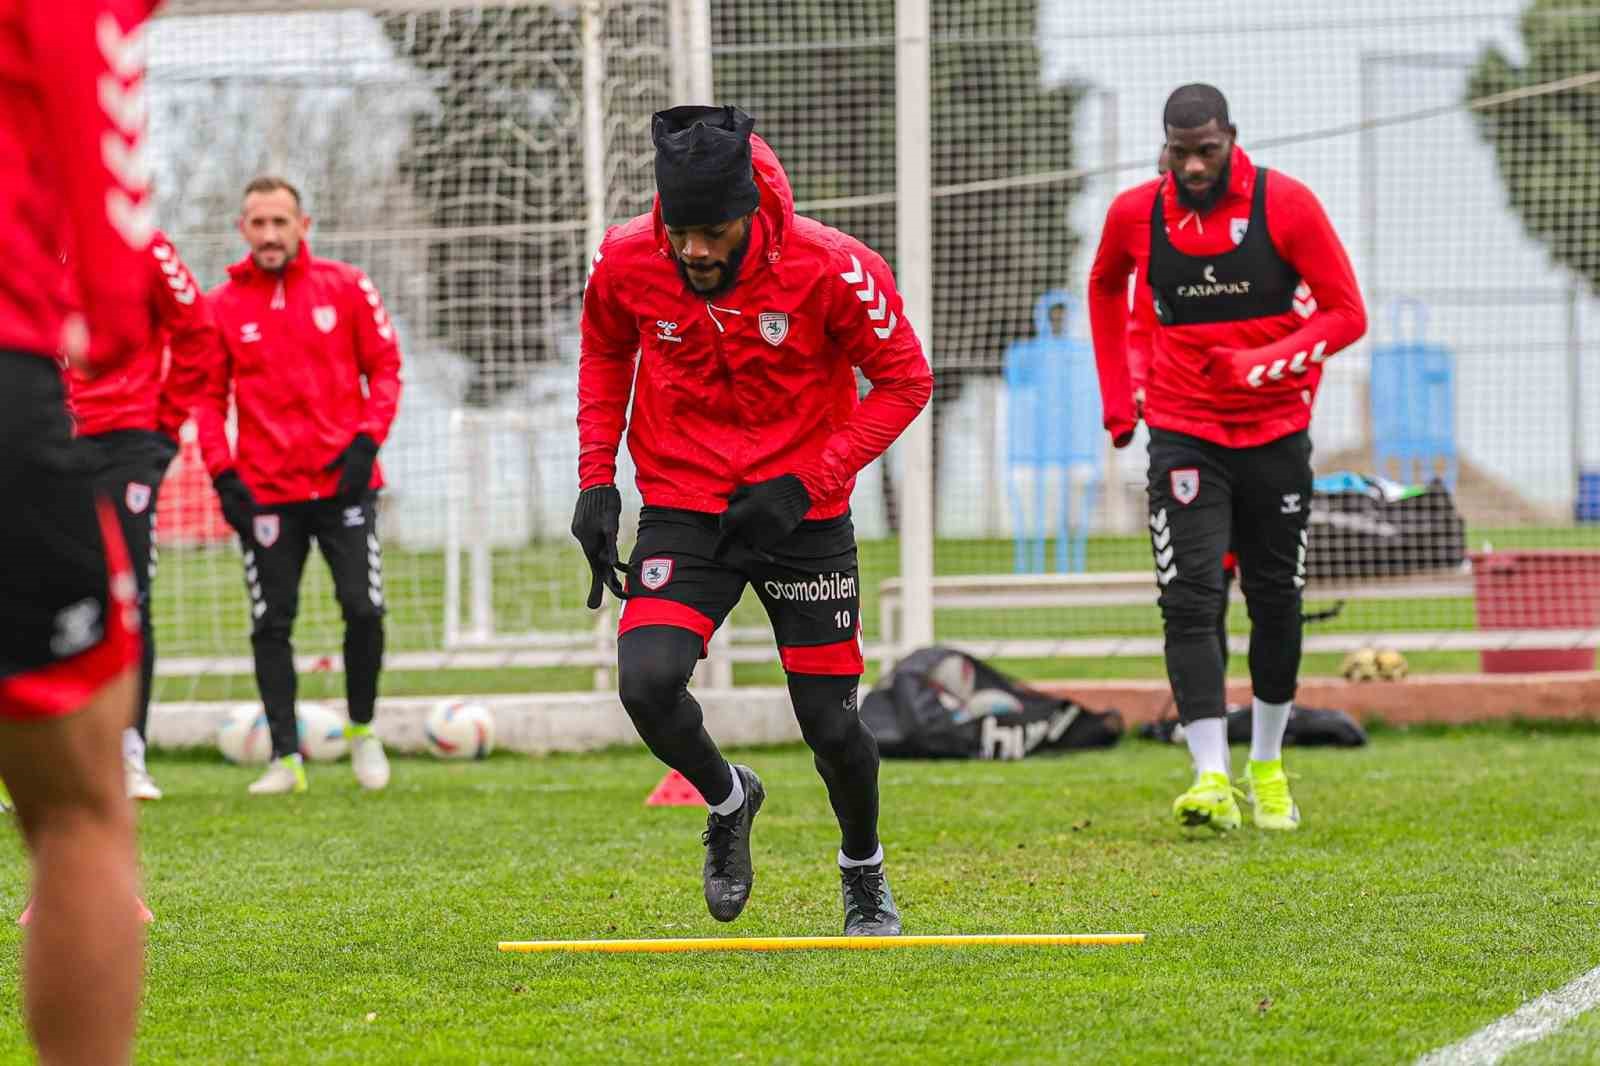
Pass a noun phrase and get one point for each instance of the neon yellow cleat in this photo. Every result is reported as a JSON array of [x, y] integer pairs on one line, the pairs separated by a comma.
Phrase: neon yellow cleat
[[1269, 796], [1210, 803]]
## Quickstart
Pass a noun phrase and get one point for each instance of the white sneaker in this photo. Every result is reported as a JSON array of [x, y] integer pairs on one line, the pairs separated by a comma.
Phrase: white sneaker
[[140, 785], [287, 774], [369, 762]]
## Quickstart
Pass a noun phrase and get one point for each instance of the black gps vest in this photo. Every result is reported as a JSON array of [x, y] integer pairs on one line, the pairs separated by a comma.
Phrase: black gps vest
[[1251, 281]]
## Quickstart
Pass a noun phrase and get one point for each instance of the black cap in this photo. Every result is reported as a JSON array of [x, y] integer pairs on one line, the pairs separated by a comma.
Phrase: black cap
[[703, 172]]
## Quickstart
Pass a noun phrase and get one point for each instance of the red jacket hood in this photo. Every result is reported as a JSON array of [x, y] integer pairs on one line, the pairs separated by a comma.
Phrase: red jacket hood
[[777, 201], [1241, 187]]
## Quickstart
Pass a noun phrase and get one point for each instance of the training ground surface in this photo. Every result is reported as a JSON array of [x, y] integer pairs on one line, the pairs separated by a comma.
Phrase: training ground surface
[[1439, 881]]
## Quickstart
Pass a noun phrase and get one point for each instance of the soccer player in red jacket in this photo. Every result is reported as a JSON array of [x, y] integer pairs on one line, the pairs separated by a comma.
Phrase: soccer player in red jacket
[[310, 357], [129, 418], [1231, 254], [72, 131], [746, 323]]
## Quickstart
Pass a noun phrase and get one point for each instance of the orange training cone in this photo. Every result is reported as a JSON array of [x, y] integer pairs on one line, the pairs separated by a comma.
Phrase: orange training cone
[[675, 791]]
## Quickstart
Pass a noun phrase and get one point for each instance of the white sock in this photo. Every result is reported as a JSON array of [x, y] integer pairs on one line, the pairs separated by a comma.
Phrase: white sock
[[133, 747], [1267, 723], [1208, 745], [847, 863], [735, 798]]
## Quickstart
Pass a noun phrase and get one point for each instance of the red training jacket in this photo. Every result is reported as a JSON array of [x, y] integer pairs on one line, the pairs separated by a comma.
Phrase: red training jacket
[[752, 384], [157, 387], [1238, 384], [73, 175], [312, 360]]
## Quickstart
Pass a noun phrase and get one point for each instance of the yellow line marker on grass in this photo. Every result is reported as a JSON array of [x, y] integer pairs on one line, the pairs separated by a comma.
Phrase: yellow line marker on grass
[[804, 943]]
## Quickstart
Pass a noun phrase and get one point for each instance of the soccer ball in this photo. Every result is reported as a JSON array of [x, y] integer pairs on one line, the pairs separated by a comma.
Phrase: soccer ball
[[992, 702], [458, 729], [1361, 665], [1391, 665], [243, 736], [322, 736], [955, 678]]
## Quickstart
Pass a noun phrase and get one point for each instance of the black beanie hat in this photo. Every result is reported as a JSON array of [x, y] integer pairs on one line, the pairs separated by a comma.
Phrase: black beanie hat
[[703, 172]]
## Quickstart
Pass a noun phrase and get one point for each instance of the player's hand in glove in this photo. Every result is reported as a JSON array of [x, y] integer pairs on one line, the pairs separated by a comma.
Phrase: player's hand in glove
[[357, 459], [238, 505], [763, 514], [595, 522]]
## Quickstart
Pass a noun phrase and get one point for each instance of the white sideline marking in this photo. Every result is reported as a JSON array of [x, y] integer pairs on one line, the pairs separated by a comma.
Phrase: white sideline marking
[[1531, 1022]]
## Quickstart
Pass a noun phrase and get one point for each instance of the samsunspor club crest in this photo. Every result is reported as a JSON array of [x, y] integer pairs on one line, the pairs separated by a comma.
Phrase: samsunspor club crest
[[774, 326], [1185, 485]]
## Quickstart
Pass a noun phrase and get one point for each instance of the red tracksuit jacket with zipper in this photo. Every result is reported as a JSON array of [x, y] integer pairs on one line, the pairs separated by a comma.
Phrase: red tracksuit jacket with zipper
[[158, 387], [756, 382], [311, 357], [1241, 383]]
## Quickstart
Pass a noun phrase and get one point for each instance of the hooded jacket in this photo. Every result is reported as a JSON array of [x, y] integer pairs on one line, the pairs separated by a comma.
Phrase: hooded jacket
[[1240, 383], [755, 382], [311, 358]]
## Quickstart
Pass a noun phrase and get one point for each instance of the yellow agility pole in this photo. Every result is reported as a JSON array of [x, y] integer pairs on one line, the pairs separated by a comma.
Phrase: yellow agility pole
[[805, 943]]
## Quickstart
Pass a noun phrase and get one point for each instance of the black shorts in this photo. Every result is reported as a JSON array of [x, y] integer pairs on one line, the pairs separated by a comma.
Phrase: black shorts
[[810, 586], [71, 611]]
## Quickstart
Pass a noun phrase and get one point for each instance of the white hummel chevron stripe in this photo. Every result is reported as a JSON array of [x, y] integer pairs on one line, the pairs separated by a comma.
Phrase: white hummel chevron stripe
[[187, 296], [1162, 539], [1254, 377], [854, 275], [1164, 559], [1305, 308], [129, 164], [884, 331], [124, 52], [1299, 582], [168, 267], [1317, 351], [135, 222], [1298, 363], [162, 252], [877, 313], [124, 106], [868, 291], [1276, 373], [1164, 576], [1158, 521]]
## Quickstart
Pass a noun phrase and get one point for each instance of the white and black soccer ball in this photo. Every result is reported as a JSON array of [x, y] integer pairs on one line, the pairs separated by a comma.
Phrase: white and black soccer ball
[[955, 678], [243, 736], [992, 703], [460, 729], [322, 737]]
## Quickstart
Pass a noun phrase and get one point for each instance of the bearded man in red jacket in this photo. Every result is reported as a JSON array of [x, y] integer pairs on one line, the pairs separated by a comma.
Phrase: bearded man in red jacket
[[747, 323], [310, 356], [1232, 254]]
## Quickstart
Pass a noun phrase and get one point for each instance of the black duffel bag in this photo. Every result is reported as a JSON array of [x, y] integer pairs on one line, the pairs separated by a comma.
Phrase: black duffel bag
[[1367, 533], [943, 704]]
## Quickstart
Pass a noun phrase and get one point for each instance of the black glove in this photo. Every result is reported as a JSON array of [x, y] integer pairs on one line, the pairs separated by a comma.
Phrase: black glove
[[595, 522], [763, 514], [357, 459], [238, 506]]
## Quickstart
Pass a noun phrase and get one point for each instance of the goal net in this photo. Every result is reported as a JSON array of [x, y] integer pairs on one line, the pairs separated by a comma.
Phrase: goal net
[[467, 154]]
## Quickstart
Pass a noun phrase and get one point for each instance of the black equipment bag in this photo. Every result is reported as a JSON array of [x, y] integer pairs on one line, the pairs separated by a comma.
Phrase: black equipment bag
[[1364, 534], [943, 704]]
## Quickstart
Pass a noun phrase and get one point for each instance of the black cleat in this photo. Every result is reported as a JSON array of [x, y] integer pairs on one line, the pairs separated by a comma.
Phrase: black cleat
[[869, 908], [728, 872]]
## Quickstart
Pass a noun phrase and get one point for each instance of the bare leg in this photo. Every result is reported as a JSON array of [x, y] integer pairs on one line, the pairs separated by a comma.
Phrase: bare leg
[[84, 953]]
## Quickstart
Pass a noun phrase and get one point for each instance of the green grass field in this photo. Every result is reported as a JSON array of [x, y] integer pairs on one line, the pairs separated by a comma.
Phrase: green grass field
[[1439, 881], [201, 610]]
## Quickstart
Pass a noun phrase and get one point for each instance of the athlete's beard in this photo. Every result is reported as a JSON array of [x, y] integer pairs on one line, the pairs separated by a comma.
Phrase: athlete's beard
[[1205, 203], [729, 268]]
